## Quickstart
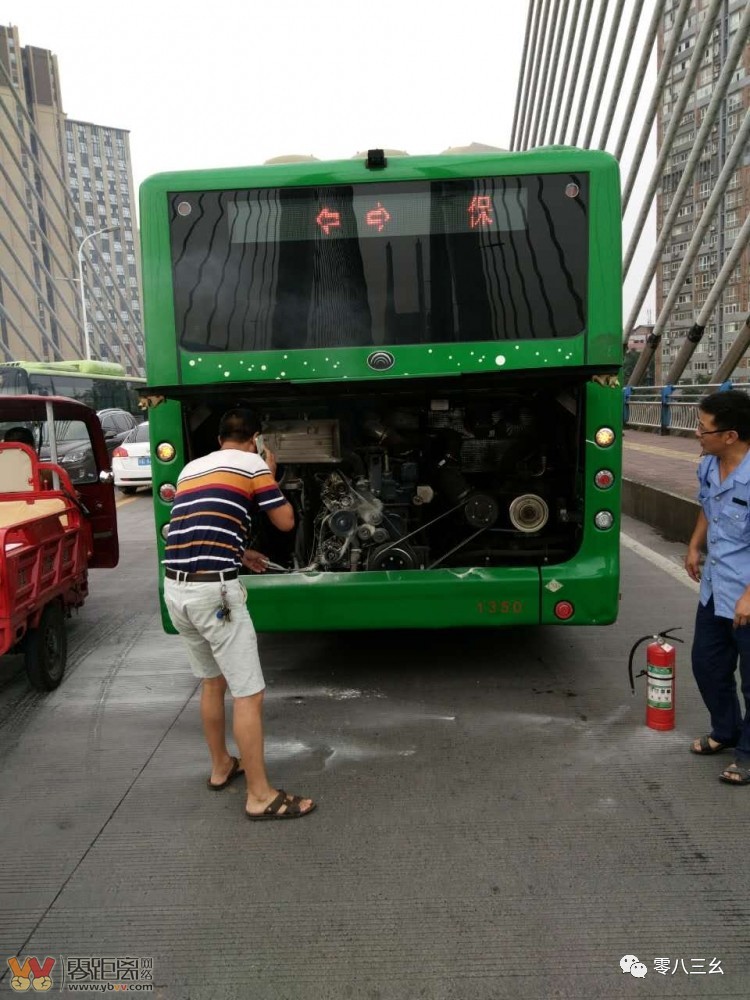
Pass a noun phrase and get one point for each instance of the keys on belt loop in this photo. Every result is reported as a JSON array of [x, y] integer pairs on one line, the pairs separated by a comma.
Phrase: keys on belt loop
[[224, 612]]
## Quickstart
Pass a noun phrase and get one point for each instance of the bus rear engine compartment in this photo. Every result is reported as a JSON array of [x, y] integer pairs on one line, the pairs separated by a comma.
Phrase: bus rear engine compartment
[[406, 484]]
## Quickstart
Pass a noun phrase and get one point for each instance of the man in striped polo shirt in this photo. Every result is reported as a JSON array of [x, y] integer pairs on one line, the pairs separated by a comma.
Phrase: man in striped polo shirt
[[217, 496]]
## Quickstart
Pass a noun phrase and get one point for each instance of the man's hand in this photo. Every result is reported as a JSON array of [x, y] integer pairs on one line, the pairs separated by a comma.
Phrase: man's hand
[[256, 562], [693, 563], [270, 459], [742, 611]]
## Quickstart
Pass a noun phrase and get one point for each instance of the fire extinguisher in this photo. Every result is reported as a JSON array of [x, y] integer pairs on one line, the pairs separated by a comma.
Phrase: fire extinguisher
[[660, 671]]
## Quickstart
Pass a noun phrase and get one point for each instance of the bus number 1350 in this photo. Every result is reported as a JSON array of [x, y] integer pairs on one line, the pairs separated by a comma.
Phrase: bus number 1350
[[500, 607]]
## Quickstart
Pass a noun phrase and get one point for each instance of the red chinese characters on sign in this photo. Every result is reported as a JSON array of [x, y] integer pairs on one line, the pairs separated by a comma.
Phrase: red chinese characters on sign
[[480, 211], [328, 220], [377, 217]]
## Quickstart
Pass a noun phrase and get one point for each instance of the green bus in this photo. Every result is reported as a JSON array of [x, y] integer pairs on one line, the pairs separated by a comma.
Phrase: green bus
[[433, 344], [98, 384]]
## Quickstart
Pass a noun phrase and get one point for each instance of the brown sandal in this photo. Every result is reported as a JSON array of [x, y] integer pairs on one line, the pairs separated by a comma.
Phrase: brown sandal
[[234, 772], [292, 810]]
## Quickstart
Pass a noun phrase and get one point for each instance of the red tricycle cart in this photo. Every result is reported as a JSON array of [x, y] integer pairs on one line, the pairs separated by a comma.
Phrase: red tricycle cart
[[51, 529]]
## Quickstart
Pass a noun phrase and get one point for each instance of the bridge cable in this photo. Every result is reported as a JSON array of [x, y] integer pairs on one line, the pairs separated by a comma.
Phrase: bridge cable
[[664, 72], [665, 147], [593, 53], [603, 72], [541, 29], [577, 62], [522, 78], [554, 28], [572, 25], [640, 73], [627, 51]]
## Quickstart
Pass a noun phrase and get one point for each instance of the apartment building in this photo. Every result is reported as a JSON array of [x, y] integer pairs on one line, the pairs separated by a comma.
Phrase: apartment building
[[731, 310], [100, 181], [46, 219]]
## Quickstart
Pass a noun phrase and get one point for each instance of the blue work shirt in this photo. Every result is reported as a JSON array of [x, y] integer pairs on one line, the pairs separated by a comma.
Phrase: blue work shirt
[[726, 572]]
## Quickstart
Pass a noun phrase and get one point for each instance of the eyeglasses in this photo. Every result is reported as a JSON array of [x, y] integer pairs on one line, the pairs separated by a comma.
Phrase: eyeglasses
[[702, 433]]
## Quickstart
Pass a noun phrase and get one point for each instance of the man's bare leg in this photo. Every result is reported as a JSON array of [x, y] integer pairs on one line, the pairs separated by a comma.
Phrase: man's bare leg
[[248, 732], [214, 727]]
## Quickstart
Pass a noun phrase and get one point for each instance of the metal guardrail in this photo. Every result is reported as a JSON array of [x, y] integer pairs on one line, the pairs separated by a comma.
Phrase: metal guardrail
[[670, 409]]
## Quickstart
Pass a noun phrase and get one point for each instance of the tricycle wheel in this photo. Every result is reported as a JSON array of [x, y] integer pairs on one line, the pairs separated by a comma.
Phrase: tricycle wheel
[[46, 649]]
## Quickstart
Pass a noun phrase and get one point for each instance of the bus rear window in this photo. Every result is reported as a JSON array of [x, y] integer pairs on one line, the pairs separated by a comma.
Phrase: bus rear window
[[480, 259]]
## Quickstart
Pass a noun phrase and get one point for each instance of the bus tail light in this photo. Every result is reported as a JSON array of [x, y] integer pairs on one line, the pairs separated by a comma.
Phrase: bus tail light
[[564, 610], [604, 519], [165, 451], [605, 437], [165, 531], [167, 492], [604, 479]]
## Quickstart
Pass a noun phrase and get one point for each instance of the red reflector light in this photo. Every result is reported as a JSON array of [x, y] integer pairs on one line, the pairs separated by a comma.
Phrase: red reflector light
[[167, 492], [120, 453], [604, 479], [564, 610]]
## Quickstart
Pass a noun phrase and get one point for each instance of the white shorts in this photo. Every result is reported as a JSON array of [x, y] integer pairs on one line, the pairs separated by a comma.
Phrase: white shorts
[[217, 646]]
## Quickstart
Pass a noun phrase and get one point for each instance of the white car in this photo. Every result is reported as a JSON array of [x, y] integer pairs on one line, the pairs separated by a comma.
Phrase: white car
[[131, 460]]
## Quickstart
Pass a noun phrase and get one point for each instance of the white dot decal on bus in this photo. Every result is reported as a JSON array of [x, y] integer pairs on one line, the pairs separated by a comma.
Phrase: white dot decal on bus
[[192, 364], [264, 368], [226, 374], [282, 375], [184, 208]]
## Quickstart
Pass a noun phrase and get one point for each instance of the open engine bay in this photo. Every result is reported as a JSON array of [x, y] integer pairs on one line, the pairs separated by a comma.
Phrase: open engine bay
[[411, 481]]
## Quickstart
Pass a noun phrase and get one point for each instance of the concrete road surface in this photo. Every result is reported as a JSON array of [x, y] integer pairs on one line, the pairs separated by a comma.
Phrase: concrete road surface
[[494, 821]]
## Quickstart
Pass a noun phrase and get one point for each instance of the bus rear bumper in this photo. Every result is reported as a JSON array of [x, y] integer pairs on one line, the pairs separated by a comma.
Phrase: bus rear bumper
[[429, 599]]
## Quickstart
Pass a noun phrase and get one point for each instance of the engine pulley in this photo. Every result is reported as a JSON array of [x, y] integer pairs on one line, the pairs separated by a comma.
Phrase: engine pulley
[[342, 523], [392, 557], [481, 511], [528, 513]]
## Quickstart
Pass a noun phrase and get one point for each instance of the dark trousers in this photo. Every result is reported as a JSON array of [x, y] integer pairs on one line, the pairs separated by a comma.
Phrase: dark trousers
[[717, 646]]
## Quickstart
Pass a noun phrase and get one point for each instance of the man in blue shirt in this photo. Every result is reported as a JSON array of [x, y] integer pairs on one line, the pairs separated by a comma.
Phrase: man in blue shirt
[[722, 624]]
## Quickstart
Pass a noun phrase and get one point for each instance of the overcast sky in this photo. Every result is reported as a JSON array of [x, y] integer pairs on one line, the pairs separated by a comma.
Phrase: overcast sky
[[231, 82]]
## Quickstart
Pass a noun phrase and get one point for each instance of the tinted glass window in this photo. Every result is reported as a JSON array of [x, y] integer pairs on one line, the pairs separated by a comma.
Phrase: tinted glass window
[[74, 452], [81, 389], [403, 263], [141, 434]]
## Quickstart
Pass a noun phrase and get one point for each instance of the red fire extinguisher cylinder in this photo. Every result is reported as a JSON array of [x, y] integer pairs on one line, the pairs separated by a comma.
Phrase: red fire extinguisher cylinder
[[660, 699]]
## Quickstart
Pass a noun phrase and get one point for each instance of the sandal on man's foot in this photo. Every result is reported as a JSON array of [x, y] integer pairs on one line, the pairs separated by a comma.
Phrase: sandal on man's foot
[[704, 746], [743, 775], [234, 772], [290, 805]]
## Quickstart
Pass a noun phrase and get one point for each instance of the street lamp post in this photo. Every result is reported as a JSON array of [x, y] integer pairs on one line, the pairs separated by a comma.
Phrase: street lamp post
[[84, 241]]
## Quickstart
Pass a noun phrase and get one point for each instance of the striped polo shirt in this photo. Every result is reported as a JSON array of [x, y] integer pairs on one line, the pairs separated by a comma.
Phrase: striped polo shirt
[[212, 510]]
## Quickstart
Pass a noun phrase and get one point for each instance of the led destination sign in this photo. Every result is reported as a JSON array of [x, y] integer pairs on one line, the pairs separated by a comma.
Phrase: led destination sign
[[491, 205]]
